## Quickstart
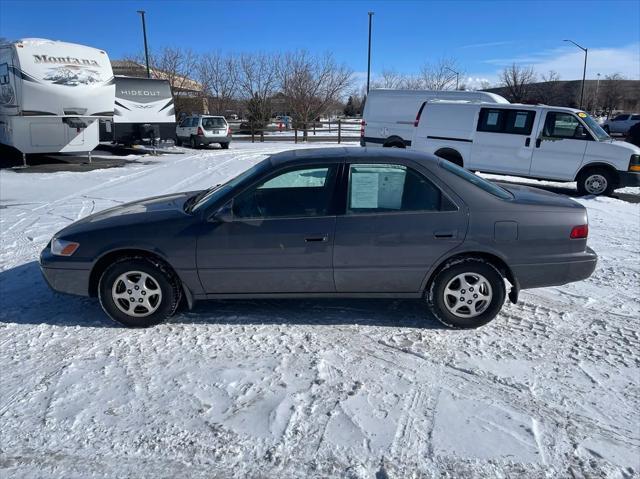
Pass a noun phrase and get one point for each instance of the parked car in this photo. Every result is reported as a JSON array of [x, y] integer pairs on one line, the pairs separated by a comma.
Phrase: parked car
[[621, 124], [389, 115], [332, 222], [203, 130], [535, 141]]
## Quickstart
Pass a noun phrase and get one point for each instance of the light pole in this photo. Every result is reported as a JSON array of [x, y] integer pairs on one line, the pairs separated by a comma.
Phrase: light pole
[[584, 72], [597, 88], [146, 49], [369, 54], [456, 73]]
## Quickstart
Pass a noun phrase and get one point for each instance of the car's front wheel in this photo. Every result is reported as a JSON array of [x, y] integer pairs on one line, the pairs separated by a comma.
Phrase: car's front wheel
[[139, 292], [467, 293]]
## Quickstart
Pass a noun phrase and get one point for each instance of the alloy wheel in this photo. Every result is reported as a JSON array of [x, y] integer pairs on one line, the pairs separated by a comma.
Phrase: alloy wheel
[[136, 293], [468, 295]]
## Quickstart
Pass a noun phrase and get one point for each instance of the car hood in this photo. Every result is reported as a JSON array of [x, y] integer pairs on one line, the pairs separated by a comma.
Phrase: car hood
[[147, 210], [536, 196]]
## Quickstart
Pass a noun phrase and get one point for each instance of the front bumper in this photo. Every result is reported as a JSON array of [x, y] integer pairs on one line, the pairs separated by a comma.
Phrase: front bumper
[[554, 274], [628, 178], [64, 277]]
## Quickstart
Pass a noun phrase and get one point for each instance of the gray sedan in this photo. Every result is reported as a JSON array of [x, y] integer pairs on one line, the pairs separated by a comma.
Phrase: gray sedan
[[338, 222]]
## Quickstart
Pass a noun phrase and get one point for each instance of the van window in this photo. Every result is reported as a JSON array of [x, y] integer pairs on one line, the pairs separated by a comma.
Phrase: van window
[[563, 125], [382, 188], [4, 74], [515, 122]]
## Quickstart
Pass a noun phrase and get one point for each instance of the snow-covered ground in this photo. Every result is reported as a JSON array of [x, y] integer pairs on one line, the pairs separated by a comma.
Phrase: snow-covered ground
[[323, 388]]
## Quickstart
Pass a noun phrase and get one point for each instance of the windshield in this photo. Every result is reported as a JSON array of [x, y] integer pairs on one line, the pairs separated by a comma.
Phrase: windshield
[[593, 125], [486, 185], [211, 123], [212, 195]]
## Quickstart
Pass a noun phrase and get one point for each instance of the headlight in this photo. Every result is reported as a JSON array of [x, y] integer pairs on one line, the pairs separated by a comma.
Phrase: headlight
[[63, 248]]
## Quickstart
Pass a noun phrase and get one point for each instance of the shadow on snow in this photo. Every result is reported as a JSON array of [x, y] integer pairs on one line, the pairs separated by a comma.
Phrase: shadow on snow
[[25, 298]]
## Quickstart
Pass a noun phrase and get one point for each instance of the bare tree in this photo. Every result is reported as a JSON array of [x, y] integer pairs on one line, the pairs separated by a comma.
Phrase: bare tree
[[311, 84], [518, 80], [219, 76], [258, 82], [550, 90], [412, 83], [611, 92], [388, 79], [440, 75]]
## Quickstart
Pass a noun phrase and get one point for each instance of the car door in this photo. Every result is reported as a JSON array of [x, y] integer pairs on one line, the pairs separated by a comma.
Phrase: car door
[[502, 142], [560, 146], [280, 239], [397, 223]]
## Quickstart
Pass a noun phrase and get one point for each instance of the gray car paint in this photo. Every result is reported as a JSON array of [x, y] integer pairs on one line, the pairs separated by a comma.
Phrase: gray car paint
[[389, 254]]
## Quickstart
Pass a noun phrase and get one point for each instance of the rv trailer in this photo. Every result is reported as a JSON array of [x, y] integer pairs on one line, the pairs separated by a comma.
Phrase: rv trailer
[[52, 95], [143, 109]]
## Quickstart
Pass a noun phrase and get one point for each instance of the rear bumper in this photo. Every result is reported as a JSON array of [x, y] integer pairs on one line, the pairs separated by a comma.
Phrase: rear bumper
[[204, 140], [554, 274], [628, 178]]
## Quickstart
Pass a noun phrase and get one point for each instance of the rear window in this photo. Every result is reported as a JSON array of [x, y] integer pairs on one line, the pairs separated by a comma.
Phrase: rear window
[[476, 180], [210, 123]]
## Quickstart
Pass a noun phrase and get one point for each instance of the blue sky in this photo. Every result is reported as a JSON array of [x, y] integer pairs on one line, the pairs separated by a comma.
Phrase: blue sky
[[483, 36]]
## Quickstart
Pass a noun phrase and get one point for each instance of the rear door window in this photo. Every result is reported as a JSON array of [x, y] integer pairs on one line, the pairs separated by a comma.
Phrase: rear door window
[[491, 120], [515, 122], [382, 188]]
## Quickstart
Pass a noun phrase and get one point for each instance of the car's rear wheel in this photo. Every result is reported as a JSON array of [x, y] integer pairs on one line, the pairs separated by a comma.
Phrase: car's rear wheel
[[467, 293], [596, 182], [192, 142], [139, 292]]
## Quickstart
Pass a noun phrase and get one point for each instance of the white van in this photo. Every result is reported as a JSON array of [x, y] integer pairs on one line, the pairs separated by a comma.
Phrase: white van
[[543, 142], [389, 115]]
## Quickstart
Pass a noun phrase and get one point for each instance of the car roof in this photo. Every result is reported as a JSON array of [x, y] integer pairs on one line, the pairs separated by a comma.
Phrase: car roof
[[342, 154]]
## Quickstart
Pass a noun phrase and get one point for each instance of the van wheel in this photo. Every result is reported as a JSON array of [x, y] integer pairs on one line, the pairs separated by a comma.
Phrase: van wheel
[[192, 142], [598, 181], [139, 292], [467, 293]]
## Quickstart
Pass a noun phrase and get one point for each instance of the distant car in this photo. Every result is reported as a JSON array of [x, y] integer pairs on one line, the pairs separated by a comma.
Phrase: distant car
[[329, 222], [621, 124], [203, 130]]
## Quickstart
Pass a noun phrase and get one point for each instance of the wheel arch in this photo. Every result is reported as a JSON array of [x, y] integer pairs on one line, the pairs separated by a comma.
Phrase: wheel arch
[[394, 141], [598, 165], [450, 154], [496, 261]]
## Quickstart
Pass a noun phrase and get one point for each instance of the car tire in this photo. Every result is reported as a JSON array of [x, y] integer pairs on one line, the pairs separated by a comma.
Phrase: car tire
[[225, 146], [192, 143], [152, 277], [467, 293], [595, 181], [178, 141]]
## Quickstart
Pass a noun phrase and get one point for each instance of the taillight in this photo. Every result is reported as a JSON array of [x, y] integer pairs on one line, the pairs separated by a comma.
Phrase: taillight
[[579, 232], [634, 163], [415, 123], [362, 125], [229, 131], [200, 132]]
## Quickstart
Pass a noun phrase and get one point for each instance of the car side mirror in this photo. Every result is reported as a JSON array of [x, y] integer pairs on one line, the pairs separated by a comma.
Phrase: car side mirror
[[579, 132], [224, 214]]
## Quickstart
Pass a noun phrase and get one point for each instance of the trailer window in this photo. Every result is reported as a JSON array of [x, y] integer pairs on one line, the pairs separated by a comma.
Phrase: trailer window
[[4, 74]]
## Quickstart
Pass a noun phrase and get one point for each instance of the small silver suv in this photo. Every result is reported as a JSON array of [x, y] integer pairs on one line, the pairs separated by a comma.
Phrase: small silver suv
[[203, 130], [621, 123]]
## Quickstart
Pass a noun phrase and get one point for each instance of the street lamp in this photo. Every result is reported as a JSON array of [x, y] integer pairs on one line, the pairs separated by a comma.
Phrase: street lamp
[[457, 74], [369, 54], [584, 72], [146, 50]]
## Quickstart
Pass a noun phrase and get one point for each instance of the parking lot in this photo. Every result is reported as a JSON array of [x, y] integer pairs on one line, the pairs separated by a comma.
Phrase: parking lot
[[309, 388]]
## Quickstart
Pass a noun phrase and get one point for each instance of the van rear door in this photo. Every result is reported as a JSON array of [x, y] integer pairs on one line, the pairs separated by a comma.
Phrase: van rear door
[[503, 141]]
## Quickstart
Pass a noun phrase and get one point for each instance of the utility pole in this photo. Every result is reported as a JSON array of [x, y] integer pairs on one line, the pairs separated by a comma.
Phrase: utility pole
[[584, 71], [597, 88], [457, 74], [369, 54], [146, 49]]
